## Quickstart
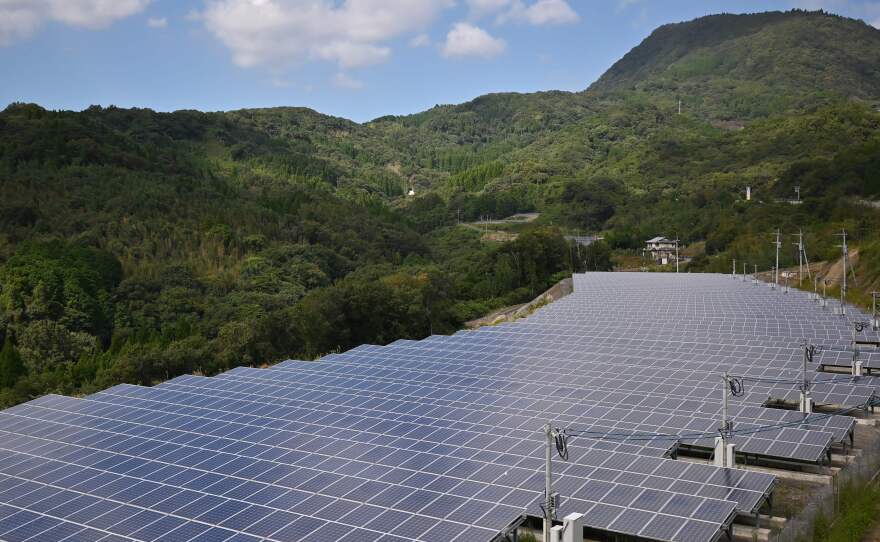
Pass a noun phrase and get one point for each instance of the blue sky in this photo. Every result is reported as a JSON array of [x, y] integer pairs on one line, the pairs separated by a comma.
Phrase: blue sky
[[358, 59]]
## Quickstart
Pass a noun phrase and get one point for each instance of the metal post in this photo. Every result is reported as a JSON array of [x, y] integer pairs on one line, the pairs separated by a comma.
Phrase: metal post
[[744, 271], [875, 325], [806, 358], [722, 447], [756, 275], [676, 255], [806, 260], [855, 348], [843, 284], [548, 482], [776, 272], [806, 406], [725, 385], [734, 268]]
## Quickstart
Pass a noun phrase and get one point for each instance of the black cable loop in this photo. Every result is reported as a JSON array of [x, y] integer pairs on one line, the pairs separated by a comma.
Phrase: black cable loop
[[736, 386], [561, 439]]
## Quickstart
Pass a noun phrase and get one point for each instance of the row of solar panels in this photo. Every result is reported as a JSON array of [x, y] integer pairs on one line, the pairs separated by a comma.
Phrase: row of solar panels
[[654, 366], [437, 440]]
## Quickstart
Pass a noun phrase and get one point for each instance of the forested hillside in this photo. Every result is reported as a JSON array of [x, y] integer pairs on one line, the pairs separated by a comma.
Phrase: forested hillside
[[136, 245], [748, 66]]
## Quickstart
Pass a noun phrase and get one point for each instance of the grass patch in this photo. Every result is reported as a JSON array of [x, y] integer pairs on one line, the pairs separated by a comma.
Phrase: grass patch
[[858, 513]]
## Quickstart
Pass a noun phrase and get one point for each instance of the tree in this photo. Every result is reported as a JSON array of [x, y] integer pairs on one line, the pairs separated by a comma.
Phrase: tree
[[46, 345], [11, 365], [597, 257]]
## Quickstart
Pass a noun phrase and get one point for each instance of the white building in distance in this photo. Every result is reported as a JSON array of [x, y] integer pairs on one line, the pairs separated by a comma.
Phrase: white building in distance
[[661, 249]]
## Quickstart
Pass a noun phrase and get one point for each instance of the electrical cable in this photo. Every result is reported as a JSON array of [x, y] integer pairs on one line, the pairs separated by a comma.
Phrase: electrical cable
[[561, 438], [736, 386]]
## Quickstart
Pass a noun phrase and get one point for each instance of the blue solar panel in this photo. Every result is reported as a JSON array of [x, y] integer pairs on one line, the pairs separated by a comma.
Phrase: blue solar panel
[[436, 440]]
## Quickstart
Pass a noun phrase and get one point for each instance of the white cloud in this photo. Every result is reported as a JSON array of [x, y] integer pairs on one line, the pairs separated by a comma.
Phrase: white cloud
[[19, 19], [876, 24], [468, 40], [352, 33], [93, 13], [17, 22], [542, 12], [537, 13], [154, 22], [341, 80], [351, 54], [422, 40]]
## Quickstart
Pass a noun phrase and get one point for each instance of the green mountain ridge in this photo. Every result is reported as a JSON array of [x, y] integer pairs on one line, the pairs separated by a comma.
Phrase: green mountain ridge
[[137, 245], [721, 63]]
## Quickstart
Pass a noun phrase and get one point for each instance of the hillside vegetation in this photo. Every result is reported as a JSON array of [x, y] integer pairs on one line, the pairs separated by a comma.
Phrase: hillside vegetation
[[135, 245]]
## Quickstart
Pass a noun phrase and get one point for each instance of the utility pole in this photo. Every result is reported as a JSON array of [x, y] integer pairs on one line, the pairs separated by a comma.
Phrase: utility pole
[[548, 481], [875, 324], [856, 362], [824, 301], [802, 257], [845, 250], [800, 245], [806, 401], [676, 254], [725, 425], [776, 269], [724, 452]]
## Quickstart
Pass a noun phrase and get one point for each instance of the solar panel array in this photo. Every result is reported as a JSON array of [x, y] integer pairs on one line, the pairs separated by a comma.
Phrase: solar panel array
[[438, 440]]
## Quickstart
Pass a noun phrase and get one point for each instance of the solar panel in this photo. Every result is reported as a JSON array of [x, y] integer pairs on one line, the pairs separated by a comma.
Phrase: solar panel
[[438, 439]]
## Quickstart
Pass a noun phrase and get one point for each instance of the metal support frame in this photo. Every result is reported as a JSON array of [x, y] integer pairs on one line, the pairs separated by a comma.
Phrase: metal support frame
[[511, 532]]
